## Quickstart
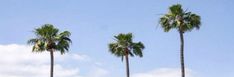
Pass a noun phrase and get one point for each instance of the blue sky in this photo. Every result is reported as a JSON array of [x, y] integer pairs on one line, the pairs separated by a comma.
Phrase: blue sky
[[93, 23]]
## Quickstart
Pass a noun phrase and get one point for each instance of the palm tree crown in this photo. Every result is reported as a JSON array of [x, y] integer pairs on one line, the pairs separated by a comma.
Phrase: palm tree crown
[[125, 46], [179, 19], [48, 38]]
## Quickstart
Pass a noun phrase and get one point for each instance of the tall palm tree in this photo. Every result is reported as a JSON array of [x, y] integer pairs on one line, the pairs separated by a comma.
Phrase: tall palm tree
[[183, 21], [124, 46], [49, 39]]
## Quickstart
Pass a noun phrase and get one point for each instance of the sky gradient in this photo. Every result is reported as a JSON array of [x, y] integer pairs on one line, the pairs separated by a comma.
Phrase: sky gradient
[[93, 23]]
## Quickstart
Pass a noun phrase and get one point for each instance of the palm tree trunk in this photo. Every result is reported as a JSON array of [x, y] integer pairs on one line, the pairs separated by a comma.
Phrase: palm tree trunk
[[52, 63], [127, 66], [127, 63], [182, 54]]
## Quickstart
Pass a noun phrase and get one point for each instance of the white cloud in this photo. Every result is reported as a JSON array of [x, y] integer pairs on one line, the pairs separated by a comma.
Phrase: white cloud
[[80, 57], [19, 61], [164, 72], [98, 72], [69, 56]]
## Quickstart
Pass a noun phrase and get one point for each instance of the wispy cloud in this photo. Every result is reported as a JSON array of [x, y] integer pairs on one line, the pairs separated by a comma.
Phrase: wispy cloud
[[164, 72], [98, 72], [18, 61]]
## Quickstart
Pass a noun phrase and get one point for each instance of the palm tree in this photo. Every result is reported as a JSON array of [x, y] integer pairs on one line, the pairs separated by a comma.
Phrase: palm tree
[[49, 39], [124, 46], [183, 21]]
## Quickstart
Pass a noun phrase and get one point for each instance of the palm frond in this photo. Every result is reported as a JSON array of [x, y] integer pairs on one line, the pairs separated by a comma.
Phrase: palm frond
[[32, 41], [137, 49]]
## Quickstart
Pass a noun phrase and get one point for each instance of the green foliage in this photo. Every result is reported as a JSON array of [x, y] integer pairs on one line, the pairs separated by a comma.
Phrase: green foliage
[[125, 44], [48, 38], [179, 19]]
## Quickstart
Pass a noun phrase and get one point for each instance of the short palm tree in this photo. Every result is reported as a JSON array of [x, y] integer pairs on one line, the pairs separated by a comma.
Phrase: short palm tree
[[124, 46], [183, 21], [49, 39]]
